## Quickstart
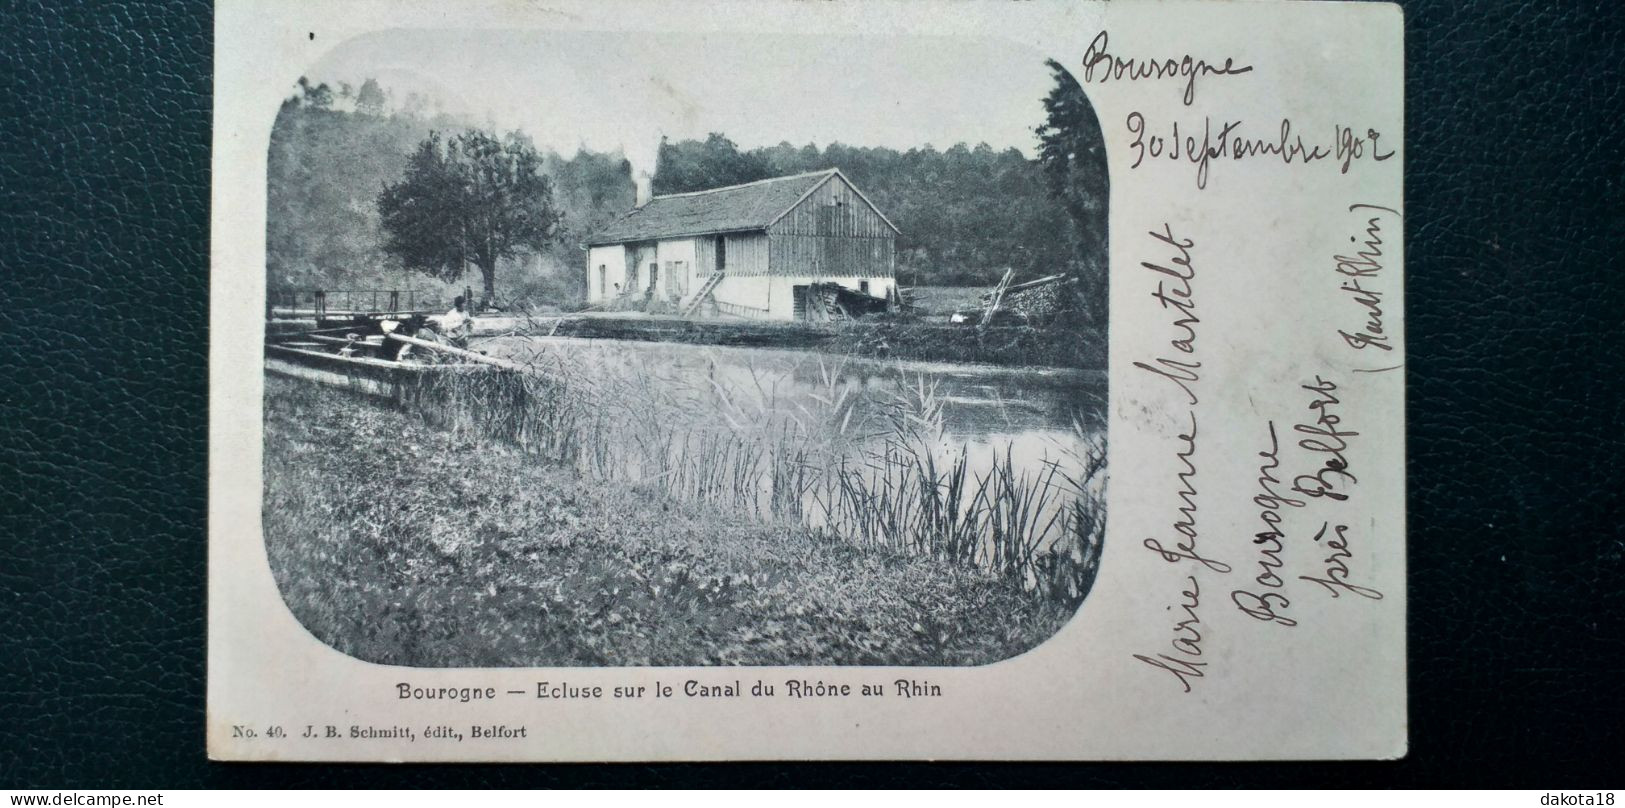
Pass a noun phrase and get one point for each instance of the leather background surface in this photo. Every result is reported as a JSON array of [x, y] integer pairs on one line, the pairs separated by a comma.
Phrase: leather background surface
[[1515, 220]]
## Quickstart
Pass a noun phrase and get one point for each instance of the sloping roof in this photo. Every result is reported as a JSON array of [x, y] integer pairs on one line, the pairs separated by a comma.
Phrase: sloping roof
[[752, 206]]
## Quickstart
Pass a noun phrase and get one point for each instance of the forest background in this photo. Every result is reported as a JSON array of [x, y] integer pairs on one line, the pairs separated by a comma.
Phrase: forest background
[[967, 213]]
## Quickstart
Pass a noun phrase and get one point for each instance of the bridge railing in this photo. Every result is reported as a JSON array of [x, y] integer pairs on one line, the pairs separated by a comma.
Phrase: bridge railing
[[323, 303]]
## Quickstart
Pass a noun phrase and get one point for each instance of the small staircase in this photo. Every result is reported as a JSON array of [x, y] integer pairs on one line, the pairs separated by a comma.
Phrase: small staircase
[[699, 297]]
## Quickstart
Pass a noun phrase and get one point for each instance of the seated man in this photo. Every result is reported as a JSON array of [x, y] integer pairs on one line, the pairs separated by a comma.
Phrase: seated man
[[456, 325]]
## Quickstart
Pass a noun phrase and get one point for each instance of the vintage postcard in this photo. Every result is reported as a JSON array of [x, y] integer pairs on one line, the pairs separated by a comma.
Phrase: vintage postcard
[[647, 381]]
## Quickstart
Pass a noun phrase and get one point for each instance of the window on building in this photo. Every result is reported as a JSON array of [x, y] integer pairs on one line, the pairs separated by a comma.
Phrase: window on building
[[863, 286], [722, 253], [603, 280]]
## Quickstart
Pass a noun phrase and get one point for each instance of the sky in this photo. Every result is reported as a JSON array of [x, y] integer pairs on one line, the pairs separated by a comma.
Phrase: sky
[[624, 91]]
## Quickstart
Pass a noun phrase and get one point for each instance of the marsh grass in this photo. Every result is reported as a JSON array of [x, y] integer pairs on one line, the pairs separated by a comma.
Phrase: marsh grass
[[411, 543], [874, 469]]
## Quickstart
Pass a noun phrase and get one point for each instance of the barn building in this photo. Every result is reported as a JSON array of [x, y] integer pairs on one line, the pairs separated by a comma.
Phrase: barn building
[[752, 250]]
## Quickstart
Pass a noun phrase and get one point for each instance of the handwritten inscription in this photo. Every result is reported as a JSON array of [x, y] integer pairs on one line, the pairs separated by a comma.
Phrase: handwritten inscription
[[1335, 578], [1186, 642], [1176, 297], [1201, 146], [1312, 473], [1360, 272], [1179, 297], [1100, 65], [1329, 442], [1268, 602], [1184, 549], [1300, 546]]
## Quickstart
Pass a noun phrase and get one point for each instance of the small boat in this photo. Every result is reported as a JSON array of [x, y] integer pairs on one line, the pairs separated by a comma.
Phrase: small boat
[[374, 354]]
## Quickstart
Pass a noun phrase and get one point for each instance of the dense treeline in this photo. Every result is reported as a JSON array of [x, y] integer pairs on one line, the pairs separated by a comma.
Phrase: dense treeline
[[333, 152], [966, 214], [324, 173]]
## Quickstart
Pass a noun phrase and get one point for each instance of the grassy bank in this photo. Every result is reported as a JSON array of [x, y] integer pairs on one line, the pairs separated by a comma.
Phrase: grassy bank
[[875, 466], [1005, 346], [402, 543], [893, 337]]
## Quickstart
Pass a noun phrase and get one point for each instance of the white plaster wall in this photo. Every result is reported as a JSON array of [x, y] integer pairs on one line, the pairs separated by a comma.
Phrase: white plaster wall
[[775, 292], [613, 259], [675, 250], [754, 291], [783, 301]]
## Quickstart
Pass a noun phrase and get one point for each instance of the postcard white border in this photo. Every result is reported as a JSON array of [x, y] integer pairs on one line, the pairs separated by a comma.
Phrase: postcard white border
[[1264, 233]]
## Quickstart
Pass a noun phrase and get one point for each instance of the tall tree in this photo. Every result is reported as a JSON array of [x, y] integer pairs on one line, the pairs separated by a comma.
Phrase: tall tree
[[472, 200], [715, 162], [369, 100], [318, 96], [1073, 156]]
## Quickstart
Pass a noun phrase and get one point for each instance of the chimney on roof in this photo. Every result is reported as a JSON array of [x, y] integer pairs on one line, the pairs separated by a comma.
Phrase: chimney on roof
[[644, 184]]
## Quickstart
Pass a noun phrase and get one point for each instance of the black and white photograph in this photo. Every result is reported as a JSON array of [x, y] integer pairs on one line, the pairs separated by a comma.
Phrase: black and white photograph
[[684, 349], [709, 394]]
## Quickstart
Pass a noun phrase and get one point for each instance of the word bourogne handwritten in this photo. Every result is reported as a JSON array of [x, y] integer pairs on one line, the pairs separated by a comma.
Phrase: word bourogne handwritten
[[1269, 603], [1201, 149], [1101, 66]]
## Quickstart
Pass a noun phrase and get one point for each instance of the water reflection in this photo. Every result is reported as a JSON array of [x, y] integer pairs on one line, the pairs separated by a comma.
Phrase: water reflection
[[998, 466], [980, 403]]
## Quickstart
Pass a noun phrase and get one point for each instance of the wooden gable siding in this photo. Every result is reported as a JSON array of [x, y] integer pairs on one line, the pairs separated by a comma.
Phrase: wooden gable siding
[[705, 256], [745, 254], [832, 233], [832, 256], [833, 209]]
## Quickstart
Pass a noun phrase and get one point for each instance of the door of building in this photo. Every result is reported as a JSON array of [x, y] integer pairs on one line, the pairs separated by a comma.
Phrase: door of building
[[798, 302]]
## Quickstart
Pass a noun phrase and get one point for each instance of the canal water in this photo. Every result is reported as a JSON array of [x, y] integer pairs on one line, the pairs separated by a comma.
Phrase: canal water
[[980, 405], [668, 410]]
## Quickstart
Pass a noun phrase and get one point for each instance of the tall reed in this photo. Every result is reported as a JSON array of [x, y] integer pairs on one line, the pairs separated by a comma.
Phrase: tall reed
[[875, 469]]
